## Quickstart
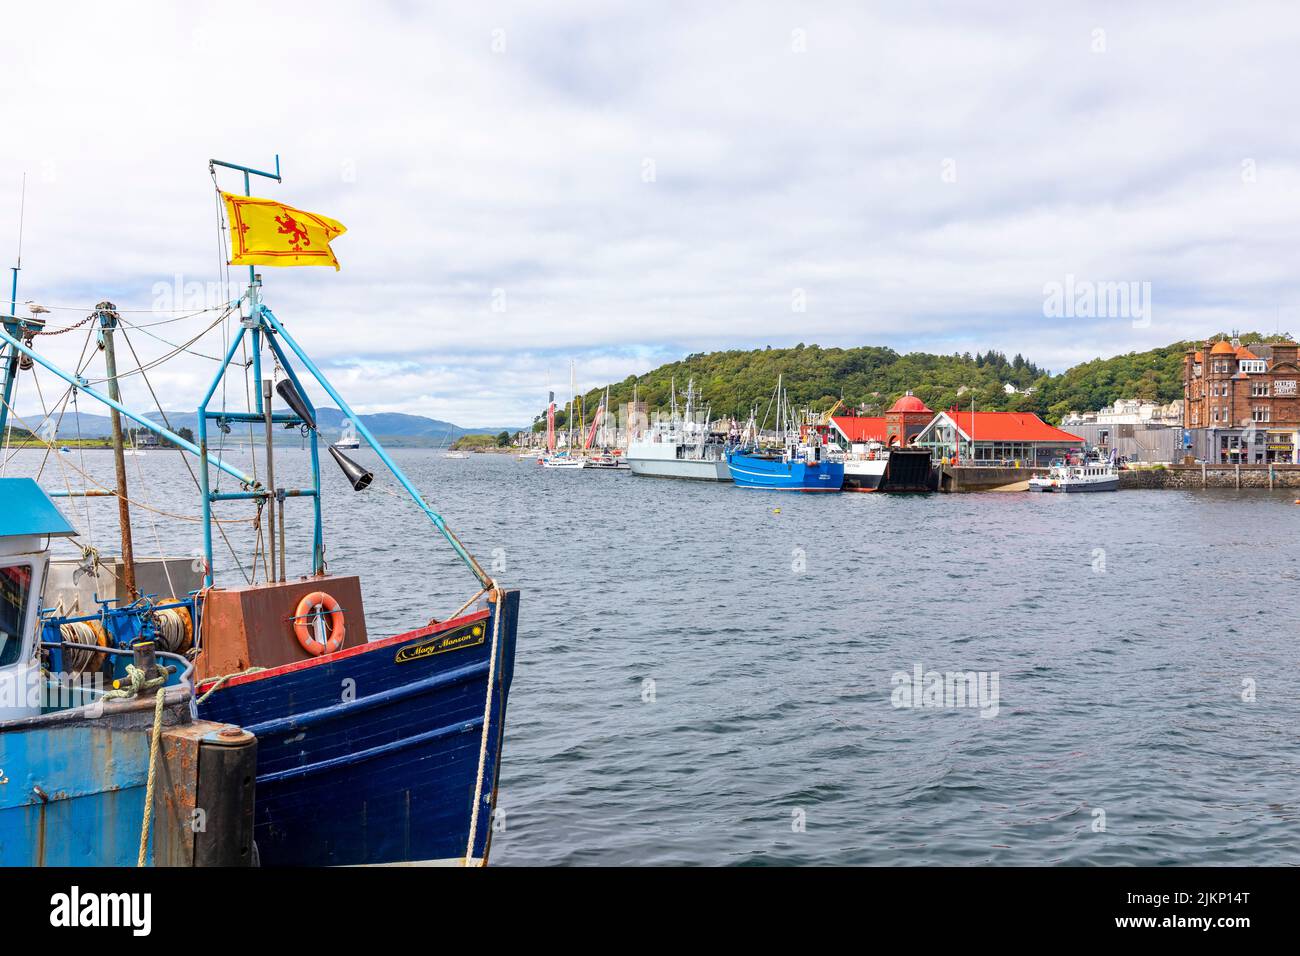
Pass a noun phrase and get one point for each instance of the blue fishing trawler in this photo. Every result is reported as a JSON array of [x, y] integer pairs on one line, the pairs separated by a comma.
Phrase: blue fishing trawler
[[791, 469], [800, 460], [371, 749], [93, 774]]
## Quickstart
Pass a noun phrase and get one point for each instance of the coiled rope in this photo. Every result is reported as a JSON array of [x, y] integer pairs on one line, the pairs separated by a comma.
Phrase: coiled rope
[[175, 632], [90, 633], [487, 721]]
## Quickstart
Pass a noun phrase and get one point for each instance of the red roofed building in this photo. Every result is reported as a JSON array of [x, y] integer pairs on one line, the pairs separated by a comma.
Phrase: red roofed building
[[856, 430], [996, 438], [905, 419]]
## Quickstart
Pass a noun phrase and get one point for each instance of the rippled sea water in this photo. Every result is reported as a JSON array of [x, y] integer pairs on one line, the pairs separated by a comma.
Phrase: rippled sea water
[[705, 679]]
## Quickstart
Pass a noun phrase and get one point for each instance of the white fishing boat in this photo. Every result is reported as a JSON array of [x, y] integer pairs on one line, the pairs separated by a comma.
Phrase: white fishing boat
[[347, 444], [455, 454], [1067, 478], [680, 446]]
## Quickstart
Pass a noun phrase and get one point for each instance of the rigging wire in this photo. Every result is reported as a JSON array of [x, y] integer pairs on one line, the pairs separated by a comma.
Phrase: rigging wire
[[188, 467], [112, 493]]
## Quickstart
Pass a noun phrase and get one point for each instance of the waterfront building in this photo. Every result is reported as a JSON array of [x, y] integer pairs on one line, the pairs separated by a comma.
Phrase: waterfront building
[[1241, 403], [1130, 411], [896, 428], [856, 432], [906, 419], [1132, 428], [997, 438]]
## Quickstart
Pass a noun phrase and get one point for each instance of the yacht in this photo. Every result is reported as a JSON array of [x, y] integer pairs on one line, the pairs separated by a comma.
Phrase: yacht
[[1070, 478]]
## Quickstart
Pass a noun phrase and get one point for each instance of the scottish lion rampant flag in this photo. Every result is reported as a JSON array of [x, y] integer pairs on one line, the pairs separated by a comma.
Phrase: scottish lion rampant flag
[[264, 232]]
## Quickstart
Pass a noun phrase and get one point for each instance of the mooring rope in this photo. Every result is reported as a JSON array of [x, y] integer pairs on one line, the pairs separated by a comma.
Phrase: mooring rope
[[487, 721], [225, 677], [153, 766]]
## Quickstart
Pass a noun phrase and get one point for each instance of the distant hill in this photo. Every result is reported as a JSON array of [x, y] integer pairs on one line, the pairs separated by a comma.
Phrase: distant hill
[[392, 428], [734, 381]]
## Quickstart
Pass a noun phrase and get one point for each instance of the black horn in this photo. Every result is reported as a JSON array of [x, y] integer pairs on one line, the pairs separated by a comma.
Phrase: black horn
[[358, 476], [293, 398]]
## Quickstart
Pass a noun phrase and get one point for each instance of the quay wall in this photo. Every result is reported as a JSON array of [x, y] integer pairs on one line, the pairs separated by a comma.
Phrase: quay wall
[[1211, 476], [964, 478]]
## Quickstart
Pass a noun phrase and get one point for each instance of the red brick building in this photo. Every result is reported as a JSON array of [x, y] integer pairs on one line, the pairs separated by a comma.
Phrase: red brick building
[[905, 419], [1241, 404]]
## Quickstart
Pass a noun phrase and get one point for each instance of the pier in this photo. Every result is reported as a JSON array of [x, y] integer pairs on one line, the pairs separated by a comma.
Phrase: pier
[[962, 478]]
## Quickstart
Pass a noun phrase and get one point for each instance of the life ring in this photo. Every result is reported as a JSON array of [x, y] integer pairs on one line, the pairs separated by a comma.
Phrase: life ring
[[306, 634]]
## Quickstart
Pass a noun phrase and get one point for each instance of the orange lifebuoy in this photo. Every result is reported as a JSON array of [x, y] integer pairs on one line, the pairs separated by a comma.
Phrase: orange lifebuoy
[[306, 634]]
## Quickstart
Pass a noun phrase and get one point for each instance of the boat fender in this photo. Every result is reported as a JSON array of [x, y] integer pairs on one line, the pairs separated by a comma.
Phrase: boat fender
[[306, 634]]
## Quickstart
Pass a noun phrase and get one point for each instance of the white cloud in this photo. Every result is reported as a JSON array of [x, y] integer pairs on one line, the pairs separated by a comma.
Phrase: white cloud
[[460, 171]]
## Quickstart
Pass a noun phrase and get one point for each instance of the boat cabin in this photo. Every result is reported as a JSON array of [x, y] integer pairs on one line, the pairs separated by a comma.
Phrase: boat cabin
[[28, 521]]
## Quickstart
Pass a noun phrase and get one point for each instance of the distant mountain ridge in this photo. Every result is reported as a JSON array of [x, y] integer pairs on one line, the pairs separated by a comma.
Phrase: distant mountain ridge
[[395, 428]]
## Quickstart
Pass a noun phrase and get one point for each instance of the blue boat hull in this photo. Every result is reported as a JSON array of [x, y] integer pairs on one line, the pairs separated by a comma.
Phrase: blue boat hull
[[371, 755], [93, 781], [755, 471], [74, 784]]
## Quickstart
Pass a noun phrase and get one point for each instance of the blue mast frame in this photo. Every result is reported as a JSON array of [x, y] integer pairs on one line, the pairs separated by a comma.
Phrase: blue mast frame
[[262, 323]]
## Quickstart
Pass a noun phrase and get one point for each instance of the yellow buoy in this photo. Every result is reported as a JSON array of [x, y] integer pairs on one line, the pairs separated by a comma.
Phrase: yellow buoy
[[777, 511]]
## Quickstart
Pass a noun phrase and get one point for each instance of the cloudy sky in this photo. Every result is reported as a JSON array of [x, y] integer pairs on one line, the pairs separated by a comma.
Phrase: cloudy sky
[[524, 185]]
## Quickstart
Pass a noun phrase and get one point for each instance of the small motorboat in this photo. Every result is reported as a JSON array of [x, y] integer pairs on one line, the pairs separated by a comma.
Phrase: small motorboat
[[1066, 478]]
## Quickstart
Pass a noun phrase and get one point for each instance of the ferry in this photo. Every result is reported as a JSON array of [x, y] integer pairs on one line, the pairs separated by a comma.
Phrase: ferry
[[863, 472], [1067, 478]]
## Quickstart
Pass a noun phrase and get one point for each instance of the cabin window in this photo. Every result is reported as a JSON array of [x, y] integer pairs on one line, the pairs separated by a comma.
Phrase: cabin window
[[15, 585]]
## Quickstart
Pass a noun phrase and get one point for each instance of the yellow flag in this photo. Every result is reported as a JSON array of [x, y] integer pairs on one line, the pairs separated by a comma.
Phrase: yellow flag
[[264, 232]]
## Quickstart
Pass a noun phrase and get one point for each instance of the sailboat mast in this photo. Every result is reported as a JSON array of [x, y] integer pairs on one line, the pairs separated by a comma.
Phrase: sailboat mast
[[108, 318]]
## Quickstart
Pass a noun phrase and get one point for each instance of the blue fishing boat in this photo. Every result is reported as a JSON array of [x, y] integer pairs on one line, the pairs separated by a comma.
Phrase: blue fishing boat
[[97, 775], [793, 469], [799, 460], [371, 749]]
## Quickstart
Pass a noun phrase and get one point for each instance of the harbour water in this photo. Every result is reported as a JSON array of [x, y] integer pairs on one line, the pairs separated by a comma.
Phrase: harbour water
[[707, 675]]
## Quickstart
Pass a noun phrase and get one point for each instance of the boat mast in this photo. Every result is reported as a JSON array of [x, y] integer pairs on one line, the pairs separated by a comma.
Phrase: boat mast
[[108, 319], [10, 370], [780, 410]]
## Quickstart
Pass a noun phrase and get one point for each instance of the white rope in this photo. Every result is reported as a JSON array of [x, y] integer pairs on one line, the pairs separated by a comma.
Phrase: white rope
[[487, 721]]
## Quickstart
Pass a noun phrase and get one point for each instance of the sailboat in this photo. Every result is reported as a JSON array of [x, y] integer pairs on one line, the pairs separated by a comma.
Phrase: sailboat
[[370, 750], [564, 460]]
